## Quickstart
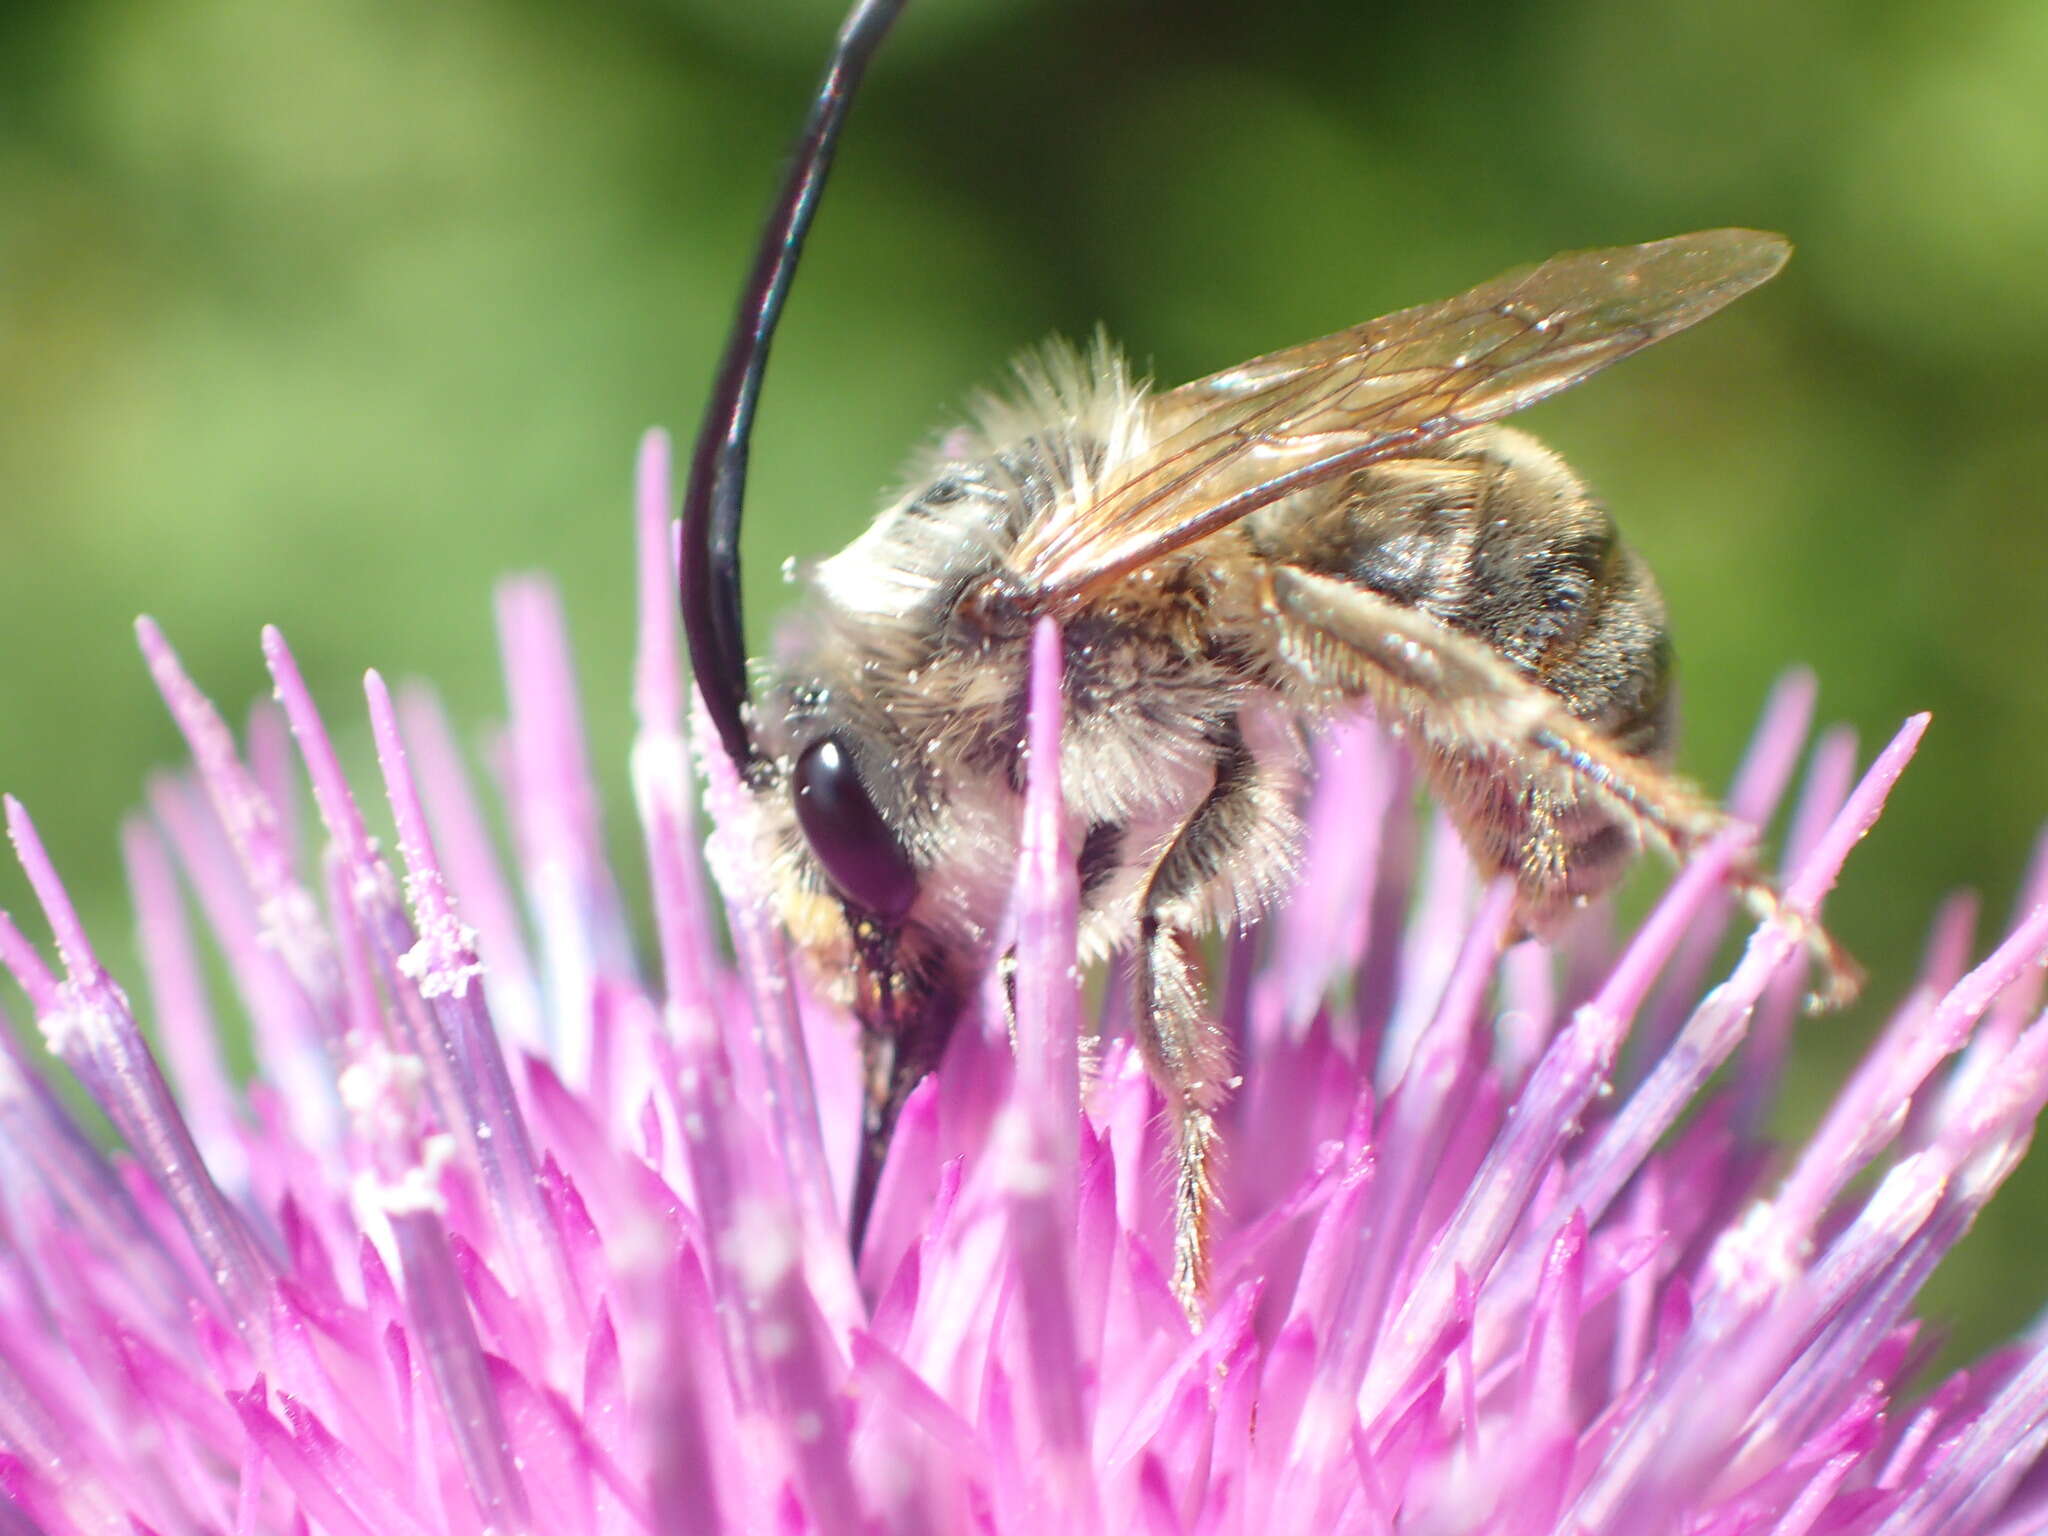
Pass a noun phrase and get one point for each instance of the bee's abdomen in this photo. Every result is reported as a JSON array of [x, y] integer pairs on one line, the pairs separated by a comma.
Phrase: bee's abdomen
[[1615, 671], [1497, 538], [1552, 587]]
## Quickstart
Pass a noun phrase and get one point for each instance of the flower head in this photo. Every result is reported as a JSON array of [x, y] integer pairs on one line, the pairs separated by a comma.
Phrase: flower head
[[519, 1229]]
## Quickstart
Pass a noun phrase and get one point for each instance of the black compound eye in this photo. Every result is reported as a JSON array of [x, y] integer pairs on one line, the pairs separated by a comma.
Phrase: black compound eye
[[860, 854]]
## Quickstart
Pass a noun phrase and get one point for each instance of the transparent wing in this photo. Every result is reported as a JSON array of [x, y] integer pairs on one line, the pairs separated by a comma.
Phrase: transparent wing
[[1237, 440]]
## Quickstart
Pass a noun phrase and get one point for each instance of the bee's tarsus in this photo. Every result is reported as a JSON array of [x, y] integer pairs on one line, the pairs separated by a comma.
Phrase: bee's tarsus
[[1841, 977], [1193, 1202]]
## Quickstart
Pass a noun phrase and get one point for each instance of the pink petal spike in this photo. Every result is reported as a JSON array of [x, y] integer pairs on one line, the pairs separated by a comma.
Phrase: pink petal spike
[[1815, 875], [472, 867], [686, 1411], [657, 673], [1871, 1110], [1386, 1339], [1774, 747], [555, 818], [270, 765], [285, 918], [2023, 998], [1323, 935], [287, 1028], [1828, 781], [454, 1361], [249, 816], [770, 1061], [1048, 900], [27, 967], [74, 949], [337, 806], [445, 961], [1760, 784], [660, 761], [185, 1023], [1554, 1323], [443, 1017], [1041, 1132], [340, 1473], [87, 1021]]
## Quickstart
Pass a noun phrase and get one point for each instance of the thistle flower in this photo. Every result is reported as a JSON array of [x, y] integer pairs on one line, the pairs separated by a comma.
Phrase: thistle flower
[[516, 1229]]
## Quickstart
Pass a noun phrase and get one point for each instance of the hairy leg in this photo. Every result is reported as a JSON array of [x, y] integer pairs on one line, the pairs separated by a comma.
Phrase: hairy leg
[[1458, 691], [1218, 871]]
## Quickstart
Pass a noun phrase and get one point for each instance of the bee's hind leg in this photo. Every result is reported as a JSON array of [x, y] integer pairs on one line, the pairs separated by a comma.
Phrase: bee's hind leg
[[1358, 641], [1684, 822]]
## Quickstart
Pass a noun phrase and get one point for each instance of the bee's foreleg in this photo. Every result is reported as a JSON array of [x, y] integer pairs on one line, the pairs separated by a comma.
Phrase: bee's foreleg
[[882, 1102], [905, 1024]]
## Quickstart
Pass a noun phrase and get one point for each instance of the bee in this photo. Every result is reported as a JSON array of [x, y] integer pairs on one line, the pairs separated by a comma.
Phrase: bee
[[1231, 564]]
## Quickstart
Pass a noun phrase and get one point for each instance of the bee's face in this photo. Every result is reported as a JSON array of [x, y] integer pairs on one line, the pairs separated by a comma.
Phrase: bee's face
[[887, 805]]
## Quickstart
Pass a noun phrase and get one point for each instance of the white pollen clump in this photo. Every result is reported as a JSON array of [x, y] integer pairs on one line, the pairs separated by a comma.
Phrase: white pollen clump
[[415, 1191], [379, 1081], [65, 1027], [443, 963], [1758, 1258], [452, 980], [291, 911]]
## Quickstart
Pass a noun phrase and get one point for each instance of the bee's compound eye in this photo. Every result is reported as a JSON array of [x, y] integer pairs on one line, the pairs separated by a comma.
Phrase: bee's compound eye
[[860, 854]]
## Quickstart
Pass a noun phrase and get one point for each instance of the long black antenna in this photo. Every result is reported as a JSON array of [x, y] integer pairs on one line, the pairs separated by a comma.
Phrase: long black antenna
[[712, 501]]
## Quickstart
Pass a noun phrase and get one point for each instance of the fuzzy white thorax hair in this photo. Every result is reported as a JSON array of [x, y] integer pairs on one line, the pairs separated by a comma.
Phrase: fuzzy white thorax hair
[[1076, 414]]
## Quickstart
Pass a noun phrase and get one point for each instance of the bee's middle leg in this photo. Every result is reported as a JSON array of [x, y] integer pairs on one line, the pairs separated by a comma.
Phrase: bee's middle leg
[[1188, 1058], [1220, 867]]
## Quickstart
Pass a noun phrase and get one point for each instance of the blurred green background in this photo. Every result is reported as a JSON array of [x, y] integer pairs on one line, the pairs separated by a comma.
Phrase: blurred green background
[[331, 313]]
